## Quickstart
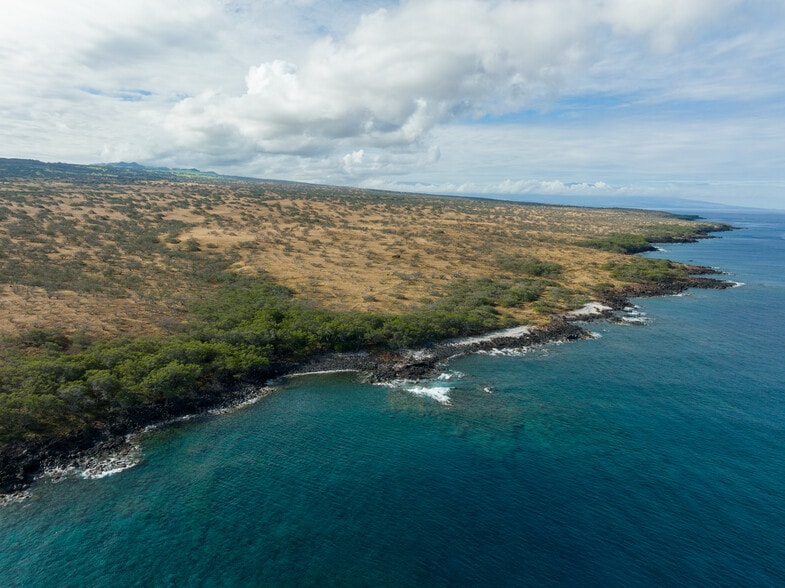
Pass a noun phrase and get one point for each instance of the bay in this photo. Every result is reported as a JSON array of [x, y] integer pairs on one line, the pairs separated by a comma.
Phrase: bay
[[652, 455]]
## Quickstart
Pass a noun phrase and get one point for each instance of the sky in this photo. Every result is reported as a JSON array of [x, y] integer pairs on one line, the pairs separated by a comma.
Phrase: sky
[[576, 98]]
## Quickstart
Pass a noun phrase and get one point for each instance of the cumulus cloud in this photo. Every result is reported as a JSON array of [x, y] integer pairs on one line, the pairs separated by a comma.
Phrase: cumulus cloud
[[77, 78], [403, 71], [94, 40], [434, 91], [663, 22]]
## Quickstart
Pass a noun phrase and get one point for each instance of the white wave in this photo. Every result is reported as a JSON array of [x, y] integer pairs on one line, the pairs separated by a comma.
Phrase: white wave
[[108, 468], [21, 496], [239, 405], [634, 316], [507, 352], [738, 284], [588, 309], [162, 424], [320, 373], [57, 474], [438, 393], [399, 384], [503, 334], [92, 467], [420, 355], [123, 459], [447, 376], [257, 396], [635, 320]]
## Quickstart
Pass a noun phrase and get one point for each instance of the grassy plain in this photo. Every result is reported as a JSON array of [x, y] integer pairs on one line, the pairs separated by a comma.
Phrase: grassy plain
[[124, 288], [126, 252]]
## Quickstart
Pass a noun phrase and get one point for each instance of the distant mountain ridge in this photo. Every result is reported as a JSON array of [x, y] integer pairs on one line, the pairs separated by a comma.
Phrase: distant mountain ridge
[[124, 171], [132, 171], [639, 202]]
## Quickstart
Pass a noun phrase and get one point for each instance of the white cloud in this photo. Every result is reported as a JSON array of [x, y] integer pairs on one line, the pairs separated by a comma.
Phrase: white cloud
[[664, 23], [403, 71], [625, 157], [633, 94]]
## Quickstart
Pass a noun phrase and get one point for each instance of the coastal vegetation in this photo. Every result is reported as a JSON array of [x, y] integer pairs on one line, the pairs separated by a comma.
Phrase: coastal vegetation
[[630, 243], [642, 270], [123, 287]]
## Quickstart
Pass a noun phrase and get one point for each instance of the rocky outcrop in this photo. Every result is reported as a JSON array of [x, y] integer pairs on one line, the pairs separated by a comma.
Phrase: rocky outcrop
[[618, 299], [21, 461], [415, 364]]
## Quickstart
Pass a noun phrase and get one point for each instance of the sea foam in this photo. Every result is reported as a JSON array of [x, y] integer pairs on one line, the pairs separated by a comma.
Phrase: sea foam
[[503, 334], [21, 496], [513, 352], [447, 376], [124, 458], [438, 393]]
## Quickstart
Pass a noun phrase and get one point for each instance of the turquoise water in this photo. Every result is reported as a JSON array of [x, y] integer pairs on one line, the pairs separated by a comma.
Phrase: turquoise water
[[653, 455]]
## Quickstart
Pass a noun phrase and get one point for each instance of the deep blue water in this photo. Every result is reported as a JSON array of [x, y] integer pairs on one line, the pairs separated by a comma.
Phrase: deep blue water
[[653, 455]]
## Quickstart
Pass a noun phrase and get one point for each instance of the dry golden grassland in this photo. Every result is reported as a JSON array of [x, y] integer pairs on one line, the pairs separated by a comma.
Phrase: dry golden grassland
[[109, 258]]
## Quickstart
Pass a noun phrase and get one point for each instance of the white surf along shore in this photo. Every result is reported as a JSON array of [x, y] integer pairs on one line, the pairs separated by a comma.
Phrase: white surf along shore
[[129, 454], [439, 390], [590, 310], [490, 337]]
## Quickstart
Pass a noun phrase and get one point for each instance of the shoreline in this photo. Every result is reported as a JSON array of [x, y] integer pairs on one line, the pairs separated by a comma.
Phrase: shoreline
[[107, 448]]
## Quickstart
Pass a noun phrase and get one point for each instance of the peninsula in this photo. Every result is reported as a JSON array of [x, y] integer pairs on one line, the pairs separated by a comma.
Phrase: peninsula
[[131, 294]]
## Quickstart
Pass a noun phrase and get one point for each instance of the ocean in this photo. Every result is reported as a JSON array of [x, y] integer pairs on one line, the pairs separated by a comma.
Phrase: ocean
[[652, 455]]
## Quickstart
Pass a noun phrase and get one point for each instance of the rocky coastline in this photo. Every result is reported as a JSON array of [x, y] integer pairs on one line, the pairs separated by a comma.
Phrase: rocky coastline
[[22, 463], [618, 299]]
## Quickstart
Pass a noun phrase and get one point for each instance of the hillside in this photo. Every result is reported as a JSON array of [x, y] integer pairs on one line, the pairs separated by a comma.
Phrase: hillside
[[122, 286], [108, 251]]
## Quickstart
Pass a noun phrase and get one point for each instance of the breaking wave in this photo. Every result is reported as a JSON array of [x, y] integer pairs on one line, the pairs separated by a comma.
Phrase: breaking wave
[[437, 393]]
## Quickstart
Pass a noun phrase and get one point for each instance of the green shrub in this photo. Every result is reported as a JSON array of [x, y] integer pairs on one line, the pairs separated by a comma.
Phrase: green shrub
[[620, 243], [647, 270], [174, 380], [528, 266]]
